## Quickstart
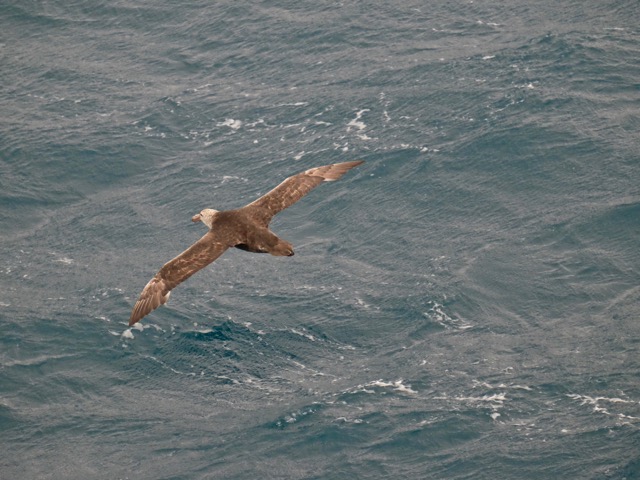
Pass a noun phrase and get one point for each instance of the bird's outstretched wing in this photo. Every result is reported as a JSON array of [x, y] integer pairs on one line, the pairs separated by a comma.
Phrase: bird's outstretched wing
[[293, 189], [176, 271]]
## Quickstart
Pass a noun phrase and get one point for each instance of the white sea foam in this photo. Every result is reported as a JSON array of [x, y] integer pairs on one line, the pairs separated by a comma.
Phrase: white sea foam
[[303, 334], [398, 386], [231, 123], [231, 178], [40, 359], [522, 387], [295, 416], [496, 398], [295, 104], [65, 260], [494, 401], [488, 386], [163, 364], [128, 334], [598, 404], [356, 123], [587, 400], [362, 303], [139, 327], [437, 313], [348, 420]]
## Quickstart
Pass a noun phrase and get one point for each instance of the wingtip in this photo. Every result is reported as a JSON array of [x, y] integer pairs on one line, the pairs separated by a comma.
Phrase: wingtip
[[135, 317], [334, 171], [351, 164], [153, 295], [136, 314]]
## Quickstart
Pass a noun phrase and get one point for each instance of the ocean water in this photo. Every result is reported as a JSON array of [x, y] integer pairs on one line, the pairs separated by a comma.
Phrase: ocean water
[[465, 305]]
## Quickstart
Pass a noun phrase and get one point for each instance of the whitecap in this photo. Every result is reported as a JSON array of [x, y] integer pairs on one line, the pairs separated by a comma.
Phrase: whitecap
[[398, 386], [356, 122], [127, 334], [231, 123], [303, 334]]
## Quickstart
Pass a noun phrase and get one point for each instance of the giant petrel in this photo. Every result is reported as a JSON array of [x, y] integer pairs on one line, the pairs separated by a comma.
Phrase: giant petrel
[[246, 228]]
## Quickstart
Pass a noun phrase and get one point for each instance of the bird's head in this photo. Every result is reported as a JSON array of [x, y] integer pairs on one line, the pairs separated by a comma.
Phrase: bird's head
[[206, 216]]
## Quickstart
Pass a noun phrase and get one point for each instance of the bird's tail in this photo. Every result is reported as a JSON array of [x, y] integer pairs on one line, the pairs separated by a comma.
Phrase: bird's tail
[[282, 249]]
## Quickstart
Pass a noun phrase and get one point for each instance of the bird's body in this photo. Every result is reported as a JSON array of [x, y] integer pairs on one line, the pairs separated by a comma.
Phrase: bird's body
[[246, 228]]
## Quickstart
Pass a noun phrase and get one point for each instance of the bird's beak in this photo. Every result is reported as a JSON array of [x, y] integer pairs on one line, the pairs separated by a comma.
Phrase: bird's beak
[[195, 218]]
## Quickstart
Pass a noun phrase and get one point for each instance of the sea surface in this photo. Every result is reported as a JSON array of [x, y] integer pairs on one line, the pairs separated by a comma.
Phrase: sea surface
[[464, 305]]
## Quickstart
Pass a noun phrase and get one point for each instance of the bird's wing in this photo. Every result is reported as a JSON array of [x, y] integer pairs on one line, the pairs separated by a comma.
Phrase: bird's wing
[[294, 188], [176, 271]]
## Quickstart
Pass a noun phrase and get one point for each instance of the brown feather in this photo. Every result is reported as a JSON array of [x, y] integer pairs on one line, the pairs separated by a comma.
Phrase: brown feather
[[176, 271], [245, 228], [294, 188]]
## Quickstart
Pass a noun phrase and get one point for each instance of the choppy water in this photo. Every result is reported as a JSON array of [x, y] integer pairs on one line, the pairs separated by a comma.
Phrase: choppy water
[[463, 305]]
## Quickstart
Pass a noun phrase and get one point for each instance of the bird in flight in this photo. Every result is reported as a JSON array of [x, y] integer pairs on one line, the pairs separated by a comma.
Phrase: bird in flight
[[246, 228]]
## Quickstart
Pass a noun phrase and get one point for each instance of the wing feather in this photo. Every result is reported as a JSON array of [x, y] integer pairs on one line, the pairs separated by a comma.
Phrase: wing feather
[[176, 271], [294, 188]]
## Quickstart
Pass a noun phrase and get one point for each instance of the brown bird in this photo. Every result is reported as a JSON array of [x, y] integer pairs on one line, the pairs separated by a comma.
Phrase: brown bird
[[246, 228]]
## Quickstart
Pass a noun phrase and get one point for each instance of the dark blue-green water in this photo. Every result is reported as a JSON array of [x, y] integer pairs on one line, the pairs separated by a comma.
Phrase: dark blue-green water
[[465, 305]]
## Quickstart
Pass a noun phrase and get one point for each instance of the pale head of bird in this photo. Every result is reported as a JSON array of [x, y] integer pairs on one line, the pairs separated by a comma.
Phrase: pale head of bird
[[206, 216]]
